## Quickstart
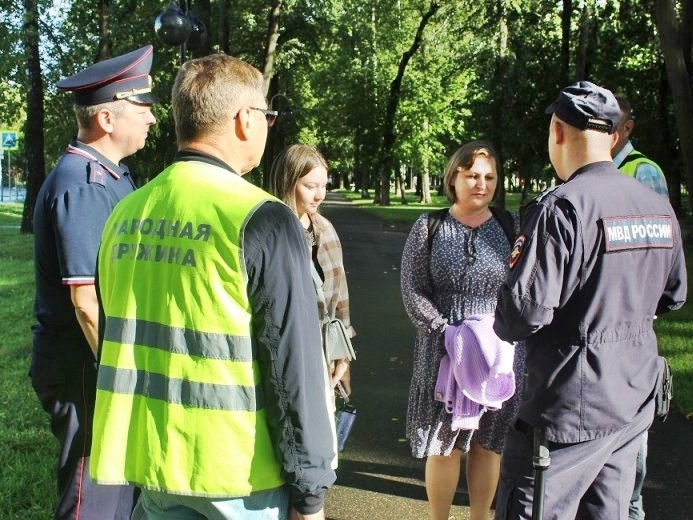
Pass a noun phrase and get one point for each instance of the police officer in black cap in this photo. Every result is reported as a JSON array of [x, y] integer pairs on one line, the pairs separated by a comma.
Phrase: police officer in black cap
[[597, 258], [113, 102]]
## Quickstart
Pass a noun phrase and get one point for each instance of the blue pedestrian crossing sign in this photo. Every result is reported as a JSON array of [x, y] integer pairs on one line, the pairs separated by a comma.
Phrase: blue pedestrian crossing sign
[[8, 140]]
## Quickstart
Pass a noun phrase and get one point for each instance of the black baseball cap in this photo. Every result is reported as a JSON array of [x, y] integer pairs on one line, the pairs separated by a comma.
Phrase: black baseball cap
[[122, 77], [587, 106]]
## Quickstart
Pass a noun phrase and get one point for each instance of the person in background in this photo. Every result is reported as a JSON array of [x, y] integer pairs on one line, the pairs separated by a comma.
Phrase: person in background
[[630, 161], [634, 164], [592, 358], [444, 280], [113, 109], [299, 178], [209, 394]]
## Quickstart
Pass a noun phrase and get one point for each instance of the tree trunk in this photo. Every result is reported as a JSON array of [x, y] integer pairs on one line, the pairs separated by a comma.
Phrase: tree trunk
[[425, 183], [223, 32], [271, 43], [33, 130], [393, 102], [377, 193], [104, 10], [582, 61], [566, 16], [425, 167], [203, 11], [361, 177], [675, 49], [526, 185], [403, 183], [666, 142], [499, 106]]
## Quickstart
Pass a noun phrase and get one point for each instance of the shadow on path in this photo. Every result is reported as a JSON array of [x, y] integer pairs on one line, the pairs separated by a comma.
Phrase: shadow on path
[[377, 477]]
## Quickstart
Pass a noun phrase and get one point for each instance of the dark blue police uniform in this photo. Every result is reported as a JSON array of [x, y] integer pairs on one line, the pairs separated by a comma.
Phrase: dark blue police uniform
[[598, 257], [70, 212]]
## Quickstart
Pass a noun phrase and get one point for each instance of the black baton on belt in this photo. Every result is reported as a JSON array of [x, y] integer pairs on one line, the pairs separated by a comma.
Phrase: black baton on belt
[[540, 460]]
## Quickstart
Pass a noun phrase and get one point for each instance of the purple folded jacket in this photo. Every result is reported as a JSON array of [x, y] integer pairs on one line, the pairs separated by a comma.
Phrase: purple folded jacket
[[476, 373]]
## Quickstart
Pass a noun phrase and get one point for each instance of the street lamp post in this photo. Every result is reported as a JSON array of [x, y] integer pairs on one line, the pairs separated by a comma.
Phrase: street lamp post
[[284, 113], [180, 26]]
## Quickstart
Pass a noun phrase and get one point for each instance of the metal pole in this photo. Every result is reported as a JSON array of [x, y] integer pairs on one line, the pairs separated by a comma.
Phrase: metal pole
[[2, 190], [541, 461], [269, 145], [183, 46]]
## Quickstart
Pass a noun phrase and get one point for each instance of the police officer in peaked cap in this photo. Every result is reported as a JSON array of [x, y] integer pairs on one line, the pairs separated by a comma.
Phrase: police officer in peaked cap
[[113, 100]]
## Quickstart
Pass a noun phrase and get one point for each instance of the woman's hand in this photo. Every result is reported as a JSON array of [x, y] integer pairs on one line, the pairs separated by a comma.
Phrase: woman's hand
[[341, 372]]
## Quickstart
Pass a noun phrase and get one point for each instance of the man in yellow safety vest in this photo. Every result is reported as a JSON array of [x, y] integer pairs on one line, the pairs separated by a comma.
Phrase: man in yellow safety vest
[[211, 388]]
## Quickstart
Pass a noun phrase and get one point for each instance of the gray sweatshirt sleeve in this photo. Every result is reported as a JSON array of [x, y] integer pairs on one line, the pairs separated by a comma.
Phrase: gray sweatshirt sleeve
[[287, 335]]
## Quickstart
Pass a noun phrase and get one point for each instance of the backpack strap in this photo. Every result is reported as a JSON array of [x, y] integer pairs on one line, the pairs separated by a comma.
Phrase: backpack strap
[[434, 220], [505, 219]]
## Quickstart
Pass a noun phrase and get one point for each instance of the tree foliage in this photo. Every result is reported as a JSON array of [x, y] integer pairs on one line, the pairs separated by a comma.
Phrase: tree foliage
[[481, 70]]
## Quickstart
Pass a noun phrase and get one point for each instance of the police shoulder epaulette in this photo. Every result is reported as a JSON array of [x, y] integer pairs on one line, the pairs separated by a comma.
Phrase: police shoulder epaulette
[[96, 174]]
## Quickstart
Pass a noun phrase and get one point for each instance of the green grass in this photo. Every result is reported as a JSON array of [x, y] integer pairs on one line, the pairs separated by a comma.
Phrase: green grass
[[26, 444], [400, 213], [396, 212], [674, 330]]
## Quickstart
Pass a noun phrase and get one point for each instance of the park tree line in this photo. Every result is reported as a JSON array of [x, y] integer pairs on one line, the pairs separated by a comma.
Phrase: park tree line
[[386, 89]]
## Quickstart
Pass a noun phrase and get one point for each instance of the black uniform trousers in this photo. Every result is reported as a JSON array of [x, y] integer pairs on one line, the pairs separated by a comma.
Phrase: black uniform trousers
[[585, 480], [66, 387]]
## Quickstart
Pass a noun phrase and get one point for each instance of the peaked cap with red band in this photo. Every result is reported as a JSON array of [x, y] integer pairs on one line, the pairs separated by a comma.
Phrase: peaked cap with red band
[[123, 77]]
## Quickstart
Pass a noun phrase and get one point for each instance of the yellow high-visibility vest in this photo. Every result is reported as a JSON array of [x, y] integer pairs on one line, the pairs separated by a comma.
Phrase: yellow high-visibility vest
[[633, 160], [179, 405]]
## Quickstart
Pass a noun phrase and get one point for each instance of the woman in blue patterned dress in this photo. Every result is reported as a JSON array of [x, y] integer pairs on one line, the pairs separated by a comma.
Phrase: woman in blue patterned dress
[[458, 277]]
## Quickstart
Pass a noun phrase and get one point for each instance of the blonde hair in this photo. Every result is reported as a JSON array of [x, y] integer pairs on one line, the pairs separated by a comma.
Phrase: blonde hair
[[464, 158], [209, 91], [290, 165]]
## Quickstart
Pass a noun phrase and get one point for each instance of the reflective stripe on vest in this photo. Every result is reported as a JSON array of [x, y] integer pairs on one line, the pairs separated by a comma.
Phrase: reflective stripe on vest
[[204, 347], [178, 340], [178, 391], [179, 403]]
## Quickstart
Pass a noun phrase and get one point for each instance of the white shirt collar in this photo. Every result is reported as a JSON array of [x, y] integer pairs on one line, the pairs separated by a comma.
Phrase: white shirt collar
[[620, 156]]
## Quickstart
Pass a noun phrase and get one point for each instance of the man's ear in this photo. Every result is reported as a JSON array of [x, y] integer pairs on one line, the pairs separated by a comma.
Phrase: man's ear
[[104, 120], [557, 131], [614, 139], [628, 127], [243, 124]]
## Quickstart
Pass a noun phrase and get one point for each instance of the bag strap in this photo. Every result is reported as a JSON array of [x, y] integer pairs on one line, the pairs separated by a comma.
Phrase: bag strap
[[505, 219], [317, 283], [434, 220]]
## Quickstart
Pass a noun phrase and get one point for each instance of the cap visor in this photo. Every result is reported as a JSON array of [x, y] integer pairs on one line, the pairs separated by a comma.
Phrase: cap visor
[[551, 108], [145, 99]]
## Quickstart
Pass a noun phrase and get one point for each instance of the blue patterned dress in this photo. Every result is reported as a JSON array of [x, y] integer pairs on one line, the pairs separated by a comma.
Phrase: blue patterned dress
[[459, 277]]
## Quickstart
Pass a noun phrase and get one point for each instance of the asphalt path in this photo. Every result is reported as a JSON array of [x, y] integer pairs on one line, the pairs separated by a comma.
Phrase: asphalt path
[[377, 476]]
